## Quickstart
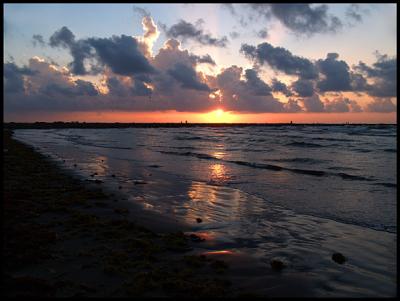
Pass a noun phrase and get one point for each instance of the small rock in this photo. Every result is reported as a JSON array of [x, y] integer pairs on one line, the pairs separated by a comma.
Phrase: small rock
[[339, 258], [75, 165], [277, 264], [113, 176], [98, 181], [199, 220], [119, 187]]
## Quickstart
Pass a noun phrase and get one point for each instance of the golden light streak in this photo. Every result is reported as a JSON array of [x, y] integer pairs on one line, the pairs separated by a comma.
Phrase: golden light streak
[[219, 116]]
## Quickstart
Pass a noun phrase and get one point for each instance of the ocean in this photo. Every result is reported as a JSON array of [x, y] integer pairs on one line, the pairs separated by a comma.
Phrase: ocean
[[295, 192]]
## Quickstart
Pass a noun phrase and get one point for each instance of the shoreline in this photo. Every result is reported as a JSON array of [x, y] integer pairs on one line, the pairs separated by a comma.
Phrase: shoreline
[[66, 238]]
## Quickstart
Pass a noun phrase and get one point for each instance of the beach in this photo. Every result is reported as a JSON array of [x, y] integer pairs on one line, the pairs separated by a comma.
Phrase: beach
[[129, 216], [64, 238]]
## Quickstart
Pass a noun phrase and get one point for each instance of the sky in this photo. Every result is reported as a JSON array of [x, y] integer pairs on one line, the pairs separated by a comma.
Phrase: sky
[[305, 63]]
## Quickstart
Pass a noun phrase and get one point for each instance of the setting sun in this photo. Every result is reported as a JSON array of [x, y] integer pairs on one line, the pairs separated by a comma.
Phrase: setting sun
[[219, 115]]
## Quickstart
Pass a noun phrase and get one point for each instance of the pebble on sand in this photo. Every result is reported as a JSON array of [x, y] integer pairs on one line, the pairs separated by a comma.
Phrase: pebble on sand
[[339, 258], [277, 264]]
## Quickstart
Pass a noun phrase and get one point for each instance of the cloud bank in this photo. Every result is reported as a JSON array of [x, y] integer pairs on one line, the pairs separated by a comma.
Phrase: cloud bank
[[121, 72]]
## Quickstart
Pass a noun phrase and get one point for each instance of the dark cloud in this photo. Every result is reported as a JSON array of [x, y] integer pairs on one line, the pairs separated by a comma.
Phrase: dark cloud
[[305, 18], [62, 37], [280, 59], [292, 106], [121, 54], [81, 88], [303, 87], [300, 18], [135, 87], [53, 82], [382, 105], [79, 50], [85, 88], [116, 88], [255, 84], [37, 40], [250, 95], [278, 86], [313, 103], [167, 60], [358, 82], [49, 88], [188, 31], [205, 59], [336, 74], [187, 76], [383, 74], [140, 89], [14, 77], [341, 105]]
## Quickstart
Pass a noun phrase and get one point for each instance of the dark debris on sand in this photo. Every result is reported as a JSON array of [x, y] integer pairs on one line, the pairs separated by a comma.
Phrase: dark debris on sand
[[54, 246]]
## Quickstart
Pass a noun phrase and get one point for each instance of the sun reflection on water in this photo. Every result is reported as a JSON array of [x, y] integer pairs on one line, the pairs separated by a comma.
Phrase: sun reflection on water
[[211, 203], [218, 173]]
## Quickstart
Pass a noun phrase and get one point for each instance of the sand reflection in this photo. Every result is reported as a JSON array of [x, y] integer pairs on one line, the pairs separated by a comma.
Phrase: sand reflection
[[99, 165]]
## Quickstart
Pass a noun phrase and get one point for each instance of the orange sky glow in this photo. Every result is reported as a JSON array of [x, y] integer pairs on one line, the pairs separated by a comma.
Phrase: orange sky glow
[[217, 116]]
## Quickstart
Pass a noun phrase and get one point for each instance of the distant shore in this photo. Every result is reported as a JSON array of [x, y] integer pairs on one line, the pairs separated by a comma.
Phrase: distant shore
[[100, 125]]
